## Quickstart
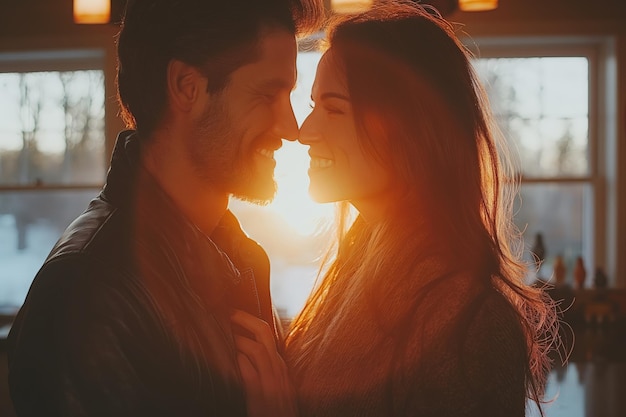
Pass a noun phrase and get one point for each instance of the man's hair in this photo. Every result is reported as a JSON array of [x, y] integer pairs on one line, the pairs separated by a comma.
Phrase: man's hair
[[217, 36]]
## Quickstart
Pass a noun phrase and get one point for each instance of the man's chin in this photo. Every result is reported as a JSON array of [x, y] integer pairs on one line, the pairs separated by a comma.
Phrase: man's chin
[[259, 194], [254, 200]]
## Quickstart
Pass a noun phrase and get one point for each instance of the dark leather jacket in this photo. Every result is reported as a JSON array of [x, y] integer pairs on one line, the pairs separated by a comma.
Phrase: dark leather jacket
[[129, 315]]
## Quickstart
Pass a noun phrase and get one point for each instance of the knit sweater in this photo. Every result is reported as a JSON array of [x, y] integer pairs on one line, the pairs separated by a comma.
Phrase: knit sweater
[[457, 350]]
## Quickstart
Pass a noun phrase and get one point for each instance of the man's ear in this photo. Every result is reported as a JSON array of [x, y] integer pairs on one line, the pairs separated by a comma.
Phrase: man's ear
[[184, 85]]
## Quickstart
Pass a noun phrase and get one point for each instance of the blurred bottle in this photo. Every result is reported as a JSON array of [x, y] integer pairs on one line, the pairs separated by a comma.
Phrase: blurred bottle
[[580, 273], [559, 271], [600, 280]]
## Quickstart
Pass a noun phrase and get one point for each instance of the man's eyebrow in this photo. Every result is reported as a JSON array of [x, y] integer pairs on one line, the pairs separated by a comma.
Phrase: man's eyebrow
[[278, 84]]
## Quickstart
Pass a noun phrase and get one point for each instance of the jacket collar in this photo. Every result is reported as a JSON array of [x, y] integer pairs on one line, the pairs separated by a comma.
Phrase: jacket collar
[[132, 189]]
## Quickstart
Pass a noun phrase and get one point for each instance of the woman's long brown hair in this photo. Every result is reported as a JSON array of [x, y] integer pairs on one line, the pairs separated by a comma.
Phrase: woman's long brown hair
[[421, 112]]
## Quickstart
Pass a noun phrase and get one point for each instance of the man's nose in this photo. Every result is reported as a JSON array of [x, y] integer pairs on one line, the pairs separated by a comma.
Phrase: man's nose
[[286, 125]]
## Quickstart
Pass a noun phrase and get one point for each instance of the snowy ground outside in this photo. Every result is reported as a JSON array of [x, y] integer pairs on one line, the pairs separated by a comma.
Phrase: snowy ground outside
[[19, 267], [291, 284]]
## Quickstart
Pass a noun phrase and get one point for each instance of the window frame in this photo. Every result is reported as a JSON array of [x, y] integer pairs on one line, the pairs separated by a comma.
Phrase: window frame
[[601, 224], [52, 60]]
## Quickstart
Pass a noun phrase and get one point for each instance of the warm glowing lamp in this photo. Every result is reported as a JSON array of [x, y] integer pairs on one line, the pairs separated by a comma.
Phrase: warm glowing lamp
[[477, 5], [350, 6], [92, 11]]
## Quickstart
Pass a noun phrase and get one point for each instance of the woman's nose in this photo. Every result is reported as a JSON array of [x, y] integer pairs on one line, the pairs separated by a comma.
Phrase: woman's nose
[[308, 131]]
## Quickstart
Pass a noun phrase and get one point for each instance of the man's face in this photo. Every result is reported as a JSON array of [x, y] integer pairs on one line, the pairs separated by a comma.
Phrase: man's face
[[233, 142]]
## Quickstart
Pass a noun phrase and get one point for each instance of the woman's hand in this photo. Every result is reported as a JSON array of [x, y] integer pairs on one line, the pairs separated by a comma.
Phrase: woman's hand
[[264, 372]]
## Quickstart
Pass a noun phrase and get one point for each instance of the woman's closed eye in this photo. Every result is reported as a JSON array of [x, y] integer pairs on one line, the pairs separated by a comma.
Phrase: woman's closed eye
[[327, 107], [333, 110]]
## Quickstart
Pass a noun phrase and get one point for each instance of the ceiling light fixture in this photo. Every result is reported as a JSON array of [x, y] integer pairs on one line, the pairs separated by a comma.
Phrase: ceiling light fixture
[[477, 5], [92, 11], [350, 6]]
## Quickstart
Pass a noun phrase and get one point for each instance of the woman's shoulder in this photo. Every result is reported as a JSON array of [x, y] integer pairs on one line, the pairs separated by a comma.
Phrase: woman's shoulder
[[476, 359], [493, 338], [474, 314], [495, 330]]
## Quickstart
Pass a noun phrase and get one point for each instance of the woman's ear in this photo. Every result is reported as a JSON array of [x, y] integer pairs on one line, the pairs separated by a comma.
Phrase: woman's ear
[[184, 85]]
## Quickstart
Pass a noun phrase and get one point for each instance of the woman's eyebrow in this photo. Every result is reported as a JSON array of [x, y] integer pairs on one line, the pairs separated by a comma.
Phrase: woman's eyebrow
[[330, 95]]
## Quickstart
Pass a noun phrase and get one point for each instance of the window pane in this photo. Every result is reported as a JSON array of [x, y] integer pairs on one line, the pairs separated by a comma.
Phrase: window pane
[[52, 128], [301, 95], [541, 106], [30, 224], [557, 211]]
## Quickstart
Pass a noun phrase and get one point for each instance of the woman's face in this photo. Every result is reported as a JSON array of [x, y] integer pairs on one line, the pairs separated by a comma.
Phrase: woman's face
[[340, 169]]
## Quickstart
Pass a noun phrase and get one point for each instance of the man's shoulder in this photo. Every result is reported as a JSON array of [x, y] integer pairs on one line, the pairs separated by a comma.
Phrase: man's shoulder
[[84, 231], [90, 247], [84, 274]]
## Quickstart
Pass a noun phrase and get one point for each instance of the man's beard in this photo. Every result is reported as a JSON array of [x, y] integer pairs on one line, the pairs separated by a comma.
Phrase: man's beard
[[220, 160]]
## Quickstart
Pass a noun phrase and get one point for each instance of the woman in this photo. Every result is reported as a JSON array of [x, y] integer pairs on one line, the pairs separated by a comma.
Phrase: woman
[[423, 310]]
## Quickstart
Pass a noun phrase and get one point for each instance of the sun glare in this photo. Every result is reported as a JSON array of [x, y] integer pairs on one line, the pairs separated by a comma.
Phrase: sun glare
[[294, 230], [292, 201]]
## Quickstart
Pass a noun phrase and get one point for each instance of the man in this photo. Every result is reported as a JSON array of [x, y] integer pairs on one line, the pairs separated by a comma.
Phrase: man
[[129, 315]]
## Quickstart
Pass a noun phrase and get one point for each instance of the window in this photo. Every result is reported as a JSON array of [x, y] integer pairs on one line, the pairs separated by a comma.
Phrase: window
[[545, 98], [52, 156]]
